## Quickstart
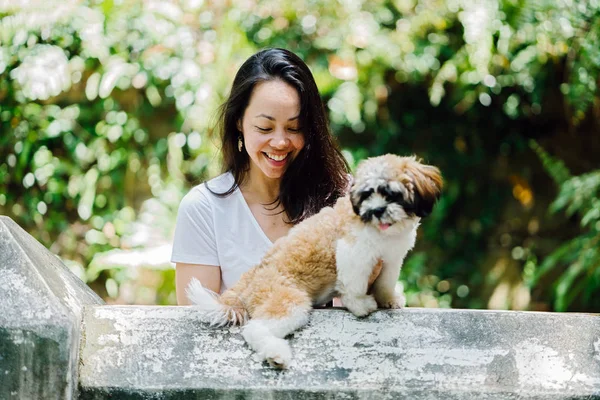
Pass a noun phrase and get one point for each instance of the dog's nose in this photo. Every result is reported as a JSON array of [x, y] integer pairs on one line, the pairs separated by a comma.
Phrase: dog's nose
[[378, 212]]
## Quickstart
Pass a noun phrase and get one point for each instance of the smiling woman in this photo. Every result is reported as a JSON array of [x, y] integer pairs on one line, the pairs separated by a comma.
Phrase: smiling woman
[[271, 130], [281, 165]]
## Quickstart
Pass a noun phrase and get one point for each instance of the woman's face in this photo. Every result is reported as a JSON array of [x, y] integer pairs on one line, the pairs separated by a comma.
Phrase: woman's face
[[271, 130]]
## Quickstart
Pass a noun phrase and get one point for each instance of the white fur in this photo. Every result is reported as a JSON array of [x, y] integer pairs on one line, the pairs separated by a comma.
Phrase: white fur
[[206, 300], [374, 201], [355, 263], [375, 237], [266, 337], [377, 174], [394, 248]]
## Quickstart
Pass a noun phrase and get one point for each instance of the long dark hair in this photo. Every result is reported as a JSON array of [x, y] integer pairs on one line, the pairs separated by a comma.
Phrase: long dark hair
[[318, 175]]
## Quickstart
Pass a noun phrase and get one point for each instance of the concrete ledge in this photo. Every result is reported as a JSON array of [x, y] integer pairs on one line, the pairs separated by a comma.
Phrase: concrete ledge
[[56, 338], [164, 352]]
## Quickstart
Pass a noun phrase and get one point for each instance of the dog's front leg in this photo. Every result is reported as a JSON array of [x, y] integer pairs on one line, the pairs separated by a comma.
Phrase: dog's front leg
[[388, 293], [353, 270]]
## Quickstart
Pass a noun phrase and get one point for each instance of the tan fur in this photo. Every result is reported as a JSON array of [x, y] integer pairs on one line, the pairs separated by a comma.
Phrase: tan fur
[[301, 266], [354, 249], [303, 261]]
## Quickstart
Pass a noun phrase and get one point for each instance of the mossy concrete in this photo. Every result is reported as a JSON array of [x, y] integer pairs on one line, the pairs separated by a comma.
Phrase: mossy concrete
[[58, 341], [165, 352], [40, 318]]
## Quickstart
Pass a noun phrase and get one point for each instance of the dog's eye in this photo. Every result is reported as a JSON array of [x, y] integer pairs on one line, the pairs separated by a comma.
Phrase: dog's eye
[[389, 194], [365, 194]]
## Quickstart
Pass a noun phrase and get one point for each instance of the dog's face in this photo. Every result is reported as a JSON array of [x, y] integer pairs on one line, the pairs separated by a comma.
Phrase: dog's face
[[389, 189]]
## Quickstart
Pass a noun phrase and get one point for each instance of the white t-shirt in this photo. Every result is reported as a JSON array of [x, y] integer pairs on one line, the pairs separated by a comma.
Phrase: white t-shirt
[[220, 231]]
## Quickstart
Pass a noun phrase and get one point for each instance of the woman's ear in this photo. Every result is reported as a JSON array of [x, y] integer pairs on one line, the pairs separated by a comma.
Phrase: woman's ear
[[239, 125]]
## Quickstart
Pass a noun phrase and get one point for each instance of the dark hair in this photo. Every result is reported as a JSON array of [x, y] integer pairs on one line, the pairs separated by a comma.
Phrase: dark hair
[[317, 177]]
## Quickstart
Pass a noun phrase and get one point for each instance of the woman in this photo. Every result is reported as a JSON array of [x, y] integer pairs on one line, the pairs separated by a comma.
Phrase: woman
[[281, 166]]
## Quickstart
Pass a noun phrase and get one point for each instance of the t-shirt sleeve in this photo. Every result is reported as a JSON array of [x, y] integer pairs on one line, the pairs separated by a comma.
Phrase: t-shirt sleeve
[[194, 240]]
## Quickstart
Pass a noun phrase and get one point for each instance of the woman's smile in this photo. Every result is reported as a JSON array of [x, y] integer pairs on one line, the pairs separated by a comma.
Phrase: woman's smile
[[277, 160]]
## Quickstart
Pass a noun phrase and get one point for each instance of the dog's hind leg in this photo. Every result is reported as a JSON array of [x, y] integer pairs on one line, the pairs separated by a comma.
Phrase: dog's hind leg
[[286, 310]]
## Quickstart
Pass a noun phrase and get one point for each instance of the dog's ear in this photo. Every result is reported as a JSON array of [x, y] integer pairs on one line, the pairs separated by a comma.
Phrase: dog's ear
[[428, 185]]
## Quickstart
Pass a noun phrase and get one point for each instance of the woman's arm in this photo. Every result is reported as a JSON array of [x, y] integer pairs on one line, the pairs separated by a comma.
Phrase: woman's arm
[[208, 275]]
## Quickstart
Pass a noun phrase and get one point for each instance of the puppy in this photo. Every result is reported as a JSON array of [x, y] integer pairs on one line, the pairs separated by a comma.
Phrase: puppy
[[332, 253]]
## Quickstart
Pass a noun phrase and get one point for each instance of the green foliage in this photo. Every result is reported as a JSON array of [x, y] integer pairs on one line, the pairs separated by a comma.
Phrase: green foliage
[[94, 99], [106, 104], [577, 261], [555, 168]]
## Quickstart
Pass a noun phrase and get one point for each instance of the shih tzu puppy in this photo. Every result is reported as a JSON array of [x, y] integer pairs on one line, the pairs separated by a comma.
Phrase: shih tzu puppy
[[332, 253]]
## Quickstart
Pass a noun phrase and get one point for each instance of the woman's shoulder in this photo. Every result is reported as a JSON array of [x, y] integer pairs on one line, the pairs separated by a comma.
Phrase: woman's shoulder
[[206, 193], [213, 187], [219, 184]]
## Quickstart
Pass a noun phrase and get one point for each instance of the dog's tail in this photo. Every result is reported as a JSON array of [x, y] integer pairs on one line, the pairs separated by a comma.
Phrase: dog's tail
[[215, 311]]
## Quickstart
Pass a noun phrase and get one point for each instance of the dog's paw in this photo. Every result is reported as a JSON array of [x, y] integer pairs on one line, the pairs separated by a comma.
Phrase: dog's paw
[[391, 299], [278, 354], [395, 301], [360, 306]]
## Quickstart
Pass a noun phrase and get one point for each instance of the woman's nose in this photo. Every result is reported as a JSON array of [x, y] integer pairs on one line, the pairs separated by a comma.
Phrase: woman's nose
[[281, 139]]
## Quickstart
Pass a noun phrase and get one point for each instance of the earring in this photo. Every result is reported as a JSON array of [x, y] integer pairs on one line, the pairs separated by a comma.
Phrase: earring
[[240, 143]]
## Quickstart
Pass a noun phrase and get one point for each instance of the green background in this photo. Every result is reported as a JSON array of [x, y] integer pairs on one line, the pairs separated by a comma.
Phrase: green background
[[107, 112]]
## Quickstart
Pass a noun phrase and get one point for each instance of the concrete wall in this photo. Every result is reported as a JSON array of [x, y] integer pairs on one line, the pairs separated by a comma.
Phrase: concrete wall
[[58, 341], [41, 307], [414, 353]]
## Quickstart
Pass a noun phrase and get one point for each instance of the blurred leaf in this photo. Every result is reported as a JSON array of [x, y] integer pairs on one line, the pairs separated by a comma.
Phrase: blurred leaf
[[106, 104]]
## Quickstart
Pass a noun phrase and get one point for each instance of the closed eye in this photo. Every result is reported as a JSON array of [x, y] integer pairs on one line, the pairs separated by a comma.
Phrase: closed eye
[[263, 129]]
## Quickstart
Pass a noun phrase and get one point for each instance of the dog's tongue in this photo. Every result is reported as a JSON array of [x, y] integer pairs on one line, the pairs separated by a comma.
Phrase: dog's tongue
[[383, 227]]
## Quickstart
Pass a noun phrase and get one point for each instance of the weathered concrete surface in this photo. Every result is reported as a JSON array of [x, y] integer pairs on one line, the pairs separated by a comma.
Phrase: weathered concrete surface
[[41, 305], [164, 352]]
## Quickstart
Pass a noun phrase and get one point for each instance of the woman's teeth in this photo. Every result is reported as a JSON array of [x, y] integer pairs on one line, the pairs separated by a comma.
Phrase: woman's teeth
[[276, 157]]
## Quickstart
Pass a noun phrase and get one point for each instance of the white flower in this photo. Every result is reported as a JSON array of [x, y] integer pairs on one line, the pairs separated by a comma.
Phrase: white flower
[[43, 73]]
